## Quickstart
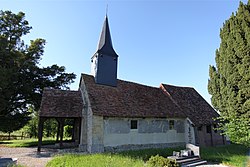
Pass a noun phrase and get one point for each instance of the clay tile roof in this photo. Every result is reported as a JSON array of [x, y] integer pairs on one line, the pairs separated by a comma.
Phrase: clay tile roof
[[192, 103], [129, 100], [61, 103]]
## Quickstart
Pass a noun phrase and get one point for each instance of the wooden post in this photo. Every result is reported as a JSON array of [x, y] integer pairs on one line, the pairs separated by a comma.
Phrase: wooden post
[[58, 130], [40, 133], [79, 130], [61, 131], [74, 130]]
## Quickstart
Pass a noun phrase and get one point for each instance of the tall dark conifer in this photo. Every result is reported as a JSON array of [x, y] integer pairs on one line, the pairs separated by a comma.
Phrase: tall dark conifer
[[229, 82], [21, 78]]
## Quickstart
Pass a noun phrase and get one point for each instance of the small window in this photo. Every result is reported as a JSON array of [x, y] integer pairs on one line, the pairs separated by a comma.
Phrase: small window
[[133, 124], [209, 129], [200, 128], [171, 124]]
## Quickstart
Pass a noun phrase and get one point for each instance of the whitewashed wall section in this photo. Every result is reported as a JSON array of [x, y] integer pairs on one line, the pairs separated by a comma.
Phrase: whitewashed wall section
[[150, 131]]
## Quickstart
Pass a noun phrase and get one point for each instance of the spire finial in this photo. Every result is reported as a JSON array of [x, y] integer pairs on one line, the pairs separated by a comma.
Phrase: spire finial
[[107, 7]]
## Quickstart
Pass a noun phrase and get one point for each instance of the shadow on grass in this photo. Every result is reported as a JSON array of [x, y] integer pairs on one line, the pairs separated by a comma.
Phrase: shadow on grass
[[228, 154], [5, 142], [25, 143]]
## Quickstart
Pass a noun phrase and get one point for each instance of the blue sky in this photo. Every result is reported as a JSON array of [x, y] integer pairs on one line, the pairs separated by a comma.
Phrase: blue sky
[[164, 41]]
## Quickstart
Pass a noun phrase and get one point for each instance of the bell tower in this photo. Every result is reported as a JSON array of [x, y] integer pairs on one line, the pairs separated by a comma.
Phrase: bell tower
[[104, 61]]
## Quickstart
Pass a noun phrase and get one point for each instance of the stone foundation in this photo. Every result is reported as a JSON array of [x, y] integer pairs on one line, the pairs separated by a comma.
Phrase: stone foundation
[[142, 146], [97, 148], [83, 147]]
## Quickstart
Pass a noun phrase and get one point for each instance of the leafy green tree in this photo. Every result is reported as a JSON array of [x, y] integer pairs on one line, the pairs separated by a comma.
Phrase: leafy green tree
[[31, 128], [68, 131], [21, 79], [229, 82], [50, 128]]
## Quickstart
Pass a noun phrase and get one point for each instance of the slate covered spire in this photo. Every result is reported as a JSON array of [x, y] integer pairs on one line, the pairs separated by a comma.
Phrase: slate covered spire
[[104, 61], [105, 43]]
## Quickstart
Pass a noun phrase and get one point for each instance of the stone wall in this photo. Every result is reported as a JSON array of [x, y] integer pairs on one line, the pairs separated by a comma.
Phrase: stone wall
[[83, 135], [151, 132], [91, 126], [86, 122], [86, 107], [190, 133], [97, 134]]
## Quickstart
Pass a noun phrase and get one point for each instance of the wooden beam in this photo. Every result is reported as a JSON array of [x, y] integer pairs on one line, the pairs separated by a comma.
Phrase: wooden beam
[[58, 130], [74, 130], [61, 131], [40, 133], [79, 130]]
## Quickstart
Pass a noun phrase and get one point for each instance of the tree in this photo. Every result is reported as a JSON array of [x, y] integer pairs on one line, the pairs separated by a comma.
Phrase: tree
[[21, 79], [229, 82], [31, 128]]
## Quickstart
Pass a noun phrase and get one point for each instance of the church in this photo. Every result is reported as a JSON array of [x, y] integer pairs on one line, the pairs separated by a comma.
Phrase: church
[[110, 114]]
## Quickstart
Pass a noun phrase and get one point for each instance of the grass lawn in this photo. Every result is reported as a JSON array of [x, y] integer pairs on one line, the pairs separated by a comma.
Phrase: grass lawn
[[134, 158], [97, 160], [26, 142], [232, 155]]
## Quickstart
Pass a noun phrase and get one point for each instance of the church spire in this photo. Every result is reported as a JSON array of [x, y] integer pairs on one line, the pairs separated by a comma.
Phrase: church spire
[[105, 43], [104, 61]]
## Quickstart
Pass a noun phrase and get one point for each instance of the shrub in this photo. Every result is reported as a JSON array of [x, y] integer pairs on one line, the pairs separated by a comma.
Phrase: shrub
[[159, 161]]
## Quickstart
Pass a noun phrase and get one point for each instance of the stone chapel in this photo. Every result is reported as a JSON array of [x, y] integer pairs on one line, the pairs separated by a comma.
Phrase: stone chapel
[[110, 114]]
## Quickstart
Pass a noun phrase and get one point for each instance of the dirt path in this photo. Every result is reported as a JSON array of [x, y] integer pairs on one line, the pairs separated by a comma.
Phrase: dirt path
[[28, 156]]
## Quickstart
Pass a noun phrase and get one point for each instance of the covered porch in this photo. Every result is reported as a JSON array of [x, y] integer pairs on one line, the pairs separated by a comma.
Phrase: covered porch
[[61, 105]]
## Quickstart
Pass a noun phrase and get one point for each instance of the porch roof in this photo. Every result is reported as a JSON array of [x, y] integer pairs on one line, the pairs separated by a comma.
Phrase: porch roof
[[61, 103]]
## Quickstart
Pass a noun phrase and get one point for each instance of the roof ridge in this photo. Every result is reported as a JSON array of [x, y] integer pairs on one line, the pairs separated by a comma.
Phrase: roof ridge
[[52, 89], [132, 82], [177, 86], [168, 94]]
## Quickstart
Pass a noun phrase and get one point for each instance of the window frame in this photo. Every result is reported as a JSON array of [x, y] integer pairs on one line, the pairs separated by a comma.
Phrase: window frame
[[171, 124], [134, 124]]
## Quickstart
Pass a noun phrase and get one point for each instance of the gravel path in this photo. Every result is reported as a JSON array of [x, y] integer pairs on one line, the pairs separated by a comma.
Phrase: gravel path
[[28, 156]]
